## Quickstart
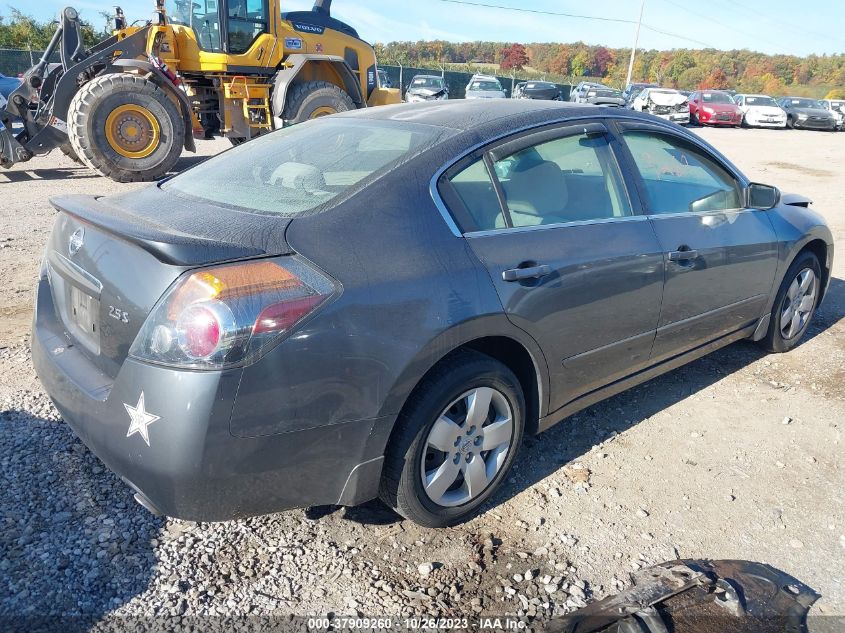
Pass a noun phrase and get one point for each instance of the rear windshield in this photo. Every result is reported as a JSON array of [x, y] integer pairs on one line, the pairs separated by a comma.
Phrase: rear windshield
[[304, 167]]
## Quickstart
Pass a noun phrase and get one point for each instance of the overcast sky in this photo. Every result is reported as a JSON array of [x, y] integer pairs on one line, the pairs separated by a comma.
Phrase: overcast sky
[[773, 26]]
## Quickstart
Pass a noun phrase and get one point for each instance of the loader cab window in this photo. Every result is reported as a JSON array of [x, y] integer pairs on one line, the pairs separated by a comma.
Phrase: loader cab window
[[247, 19], [202, 17]]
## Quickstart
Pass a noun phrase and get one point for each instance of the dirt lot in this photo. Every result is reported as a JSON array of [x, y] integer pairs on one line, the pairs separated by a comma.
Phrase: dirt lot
[[738, 455]]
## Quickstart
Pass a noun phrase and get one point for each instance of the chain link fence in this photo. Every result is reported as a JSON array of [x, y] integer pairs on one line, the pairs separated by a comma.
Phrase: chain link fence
[[401, 76], [15, 61]]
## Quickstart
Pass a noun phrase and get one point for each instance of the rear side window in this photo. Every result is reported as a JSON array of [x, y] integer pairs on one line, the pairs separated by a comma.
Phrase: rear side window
[[569, 179], [679, 177], [305, 167]]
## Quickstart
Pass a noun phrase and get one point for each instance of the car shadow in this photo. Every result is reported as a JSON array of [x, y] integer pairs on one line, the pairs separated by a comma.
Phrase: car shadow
[[74, 545], [577, 435]]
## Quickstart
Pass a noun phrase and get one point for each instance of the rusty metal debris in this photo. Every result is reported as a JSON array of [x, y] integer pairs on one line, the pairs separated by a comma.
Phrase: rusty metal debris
[[699, 596]]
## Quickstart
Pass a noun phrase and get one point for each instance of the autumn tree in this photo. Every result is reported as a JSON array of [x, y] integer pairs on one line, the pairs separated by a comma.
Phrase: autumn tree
[[514, 57]]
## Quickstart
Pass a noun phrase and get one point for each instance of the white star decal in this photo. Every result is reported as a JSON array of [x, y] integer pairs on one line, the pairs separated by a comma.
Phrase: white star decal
[[140, 419]]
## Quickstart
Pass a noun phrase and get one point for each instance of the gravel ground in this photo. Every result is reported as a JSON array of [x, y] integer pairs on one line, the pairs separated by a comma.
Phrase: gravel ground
[[738, 455]]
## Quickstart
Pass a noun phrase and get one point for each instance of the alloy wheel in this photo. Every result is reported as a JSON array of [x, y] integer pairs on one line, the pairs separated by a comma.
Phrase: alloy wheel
[[467, 447], [798, 303]]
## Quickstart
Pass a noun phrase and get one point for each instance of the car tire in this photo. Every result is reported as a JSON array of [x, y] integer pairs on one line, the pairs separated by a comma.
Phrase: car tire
[[313, 99], [107, 104], [783, 336], [790, 123], [446, 392]]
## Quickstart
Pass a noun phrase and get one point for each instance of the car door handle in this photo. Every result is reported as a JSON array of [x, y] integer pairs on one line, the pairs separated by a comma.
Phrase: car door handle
[[680, 256], [532, 272]]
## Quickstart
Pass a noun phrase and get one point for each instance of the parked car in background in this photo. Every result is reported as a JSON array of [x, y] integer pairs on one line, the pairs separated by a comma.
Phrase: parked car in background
[[383, 79], [391, 316], [579, 93], [663, 102], [8, 84], [805, 113], [604, 96], [542, 90], [760, 111], [427, 88], [714, 107], [837, 108], [633, 89], [484, 87]]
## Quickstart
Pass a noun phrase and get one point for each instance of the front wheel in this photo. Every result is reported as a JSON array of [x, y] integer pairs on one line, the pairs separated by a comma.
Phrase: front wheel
[[126, 127], [314, 99], [455, 441], [795, 304]]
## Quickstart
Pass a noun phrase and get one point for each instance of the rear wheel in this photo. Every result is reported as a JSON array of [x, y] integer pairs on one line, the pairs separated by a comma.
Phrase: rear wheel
[[126, 127], [314, 99], [795, 304], [455, 441]]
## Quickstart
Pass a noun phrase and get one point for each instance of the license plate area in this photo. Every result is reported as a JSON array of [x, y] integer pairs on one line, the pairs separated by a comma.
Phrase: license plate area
[[84, 317]]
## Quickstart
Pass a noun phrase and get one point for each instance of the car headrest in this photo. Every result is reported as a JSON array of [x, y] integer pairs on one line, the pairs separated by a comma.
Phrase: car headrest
[[298, 176], [538, 190]]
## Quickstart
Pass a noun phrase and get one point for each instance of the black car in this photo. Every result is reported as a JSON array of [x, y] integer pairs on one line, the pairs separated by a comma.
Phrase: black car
[[382, 303], [542, 90], [807, 113]]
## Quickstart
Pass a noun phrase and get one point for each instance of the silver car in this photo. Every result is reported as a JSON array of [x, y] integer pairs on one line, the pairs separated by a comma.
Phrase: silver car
[[484, 87]]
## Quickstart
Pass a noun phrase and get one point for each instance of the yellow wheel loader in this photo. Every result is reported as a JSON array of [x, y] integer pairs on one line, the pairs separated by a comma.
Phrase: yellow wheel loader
[[201, 68]]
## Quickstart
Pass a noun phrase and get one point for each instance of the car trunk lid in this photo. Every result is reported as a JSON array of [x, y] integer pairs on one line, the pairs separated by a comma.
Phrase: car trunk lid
[[109, 260]]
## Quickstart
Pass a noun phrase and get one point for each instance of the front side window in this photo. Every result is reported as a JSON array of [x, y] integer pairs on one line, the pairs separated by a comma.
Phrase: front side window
[[247, 20], [569, 179], [202, 17], [679, 177]]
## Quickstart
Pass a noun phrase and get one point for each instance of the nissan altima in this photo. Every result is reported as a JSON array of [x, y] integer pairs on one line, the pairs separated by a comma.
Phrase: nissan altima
[[383, 303]]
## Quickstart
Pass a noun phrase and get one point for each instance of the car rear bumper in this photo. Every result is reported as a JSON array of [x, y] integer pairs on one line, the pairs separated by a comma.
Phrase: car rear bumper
[[193, 467]]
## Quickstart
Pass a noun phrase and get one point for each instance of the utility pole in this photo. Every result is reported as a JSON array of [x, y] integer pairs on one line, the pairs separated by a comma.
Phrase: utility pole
[[636, 42]]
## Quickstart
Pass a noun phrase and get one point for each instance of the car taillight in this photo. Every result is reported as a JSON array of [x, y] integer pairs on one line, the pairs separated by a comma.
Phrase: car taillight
[[230, 315]]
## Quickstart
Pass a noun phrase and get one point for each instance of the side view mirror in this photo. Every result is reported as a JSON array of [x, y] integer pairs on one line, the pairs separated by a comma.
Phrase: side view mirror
[[759, 196]]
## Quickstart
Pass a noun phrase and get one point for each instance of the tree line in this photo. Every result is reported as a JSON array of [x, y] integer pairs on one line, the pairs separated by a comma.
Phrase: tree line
[[19, 30], [687, 69]]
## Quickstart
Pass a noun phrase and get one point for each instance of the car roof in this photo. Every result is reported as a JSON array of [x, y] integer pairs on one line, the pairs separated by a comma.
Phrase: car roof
[[427, 77], [466, 114], [480, 76]]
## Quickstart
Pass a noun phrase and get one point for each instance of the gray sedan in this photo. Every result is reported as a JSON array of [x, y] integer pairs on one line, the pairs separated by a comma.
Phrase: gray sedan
[[383, 303]]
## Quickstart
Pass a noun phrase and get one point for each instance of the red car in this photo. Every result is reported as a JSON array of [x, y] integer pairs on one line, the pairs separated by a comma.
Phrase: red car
[[714, 107]]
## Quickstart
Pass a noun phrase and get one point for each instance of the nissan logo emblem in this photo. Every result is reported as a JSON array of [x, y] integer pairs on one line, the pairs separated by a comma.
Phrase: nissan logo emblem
[[76, 240]]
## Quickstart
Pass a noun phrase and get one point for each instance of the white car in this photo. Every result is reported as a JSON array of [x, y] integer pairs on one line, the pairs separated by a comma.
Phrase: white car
[[484, 87], [837, 108], [666, 103], [760, 111]]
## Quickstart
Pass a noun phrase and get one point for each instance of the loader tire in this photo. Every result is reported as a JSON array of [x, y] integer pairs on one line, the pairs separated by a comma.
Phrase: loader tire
[[67, 149], [126, 127], [313, 99]]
